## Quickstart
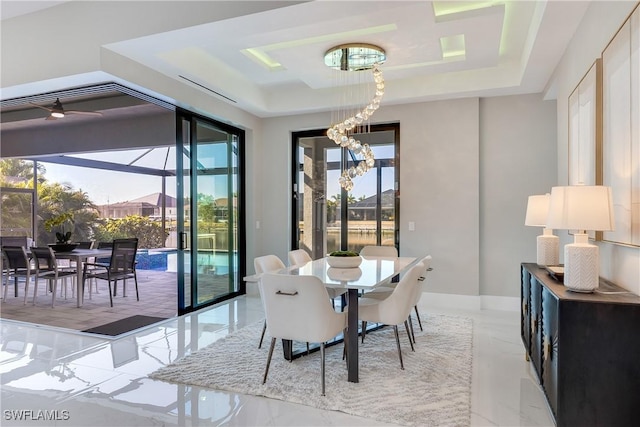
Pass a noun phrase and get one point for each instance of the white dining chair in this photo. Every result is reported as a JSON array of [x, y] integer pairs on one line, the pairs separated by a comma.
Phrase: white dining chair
[[264, 264], [298, 309], [383, 292], [299, 257], [379, 251], [395, 309]]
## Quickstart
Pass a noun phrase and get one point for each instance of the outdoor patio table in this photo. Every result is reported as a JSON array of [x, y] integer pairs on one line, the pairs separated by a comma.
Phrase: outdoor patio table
[[80, 256]]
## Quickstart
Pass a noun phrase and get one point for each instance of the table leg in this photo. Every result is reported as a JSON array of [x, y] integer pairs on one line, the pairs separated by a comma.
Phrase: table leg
[[352, 336], [79, 284]]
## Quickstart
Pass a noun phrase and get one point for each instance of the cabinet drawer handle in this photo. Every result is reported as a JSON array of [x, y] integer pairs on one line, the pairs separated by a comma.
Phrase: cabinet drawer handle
[[534, 324], [547, 348]]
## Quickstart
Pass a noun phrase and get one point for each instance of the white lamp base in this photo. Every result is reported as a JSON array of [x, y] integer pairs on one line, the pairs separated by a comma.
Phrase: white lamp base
[[548, 248], [581, 265]]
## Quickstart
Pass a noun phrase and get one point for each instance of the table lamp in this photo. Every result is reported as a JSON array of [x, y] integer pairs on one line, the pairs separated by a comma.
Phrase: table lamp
[[581, 208], [548, 252]]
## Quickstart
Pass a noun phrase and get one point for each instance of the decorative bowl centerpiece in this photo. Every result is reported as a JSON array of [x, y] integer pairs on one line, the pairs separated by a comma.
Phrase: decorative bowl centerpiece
[[344, 274], [344, 259], [63, 247]]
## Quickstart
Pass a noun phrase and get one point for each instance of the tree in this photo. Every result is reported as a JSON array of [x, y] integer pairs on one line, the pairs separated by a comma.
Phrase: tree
[[56, 199], [19, 173]]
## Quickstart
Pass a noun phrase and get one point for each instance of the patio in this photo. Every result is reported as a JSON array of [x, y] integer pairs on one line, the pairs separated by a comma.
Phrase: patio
[[158, 297]]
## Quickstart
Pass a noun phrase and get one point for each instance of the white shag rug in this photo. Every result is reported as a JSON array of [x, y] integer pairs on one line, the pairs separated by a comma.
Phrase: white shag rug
[[433, 390]]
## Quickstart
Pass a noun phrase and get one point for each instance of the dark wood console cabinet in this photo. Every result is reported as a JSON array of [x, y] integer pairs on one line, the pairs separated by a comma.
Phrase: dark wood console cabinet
[[585, 349]]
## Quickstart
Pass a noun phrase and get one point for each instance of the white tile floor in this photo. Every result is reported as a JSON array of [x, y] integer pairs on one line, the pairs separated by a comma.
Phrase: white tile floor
[[89, 381]]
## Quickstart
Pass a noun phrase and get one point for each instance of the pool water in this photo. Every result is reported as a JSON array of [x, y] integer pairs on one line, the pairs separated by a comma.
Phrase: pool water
[[167, 260]]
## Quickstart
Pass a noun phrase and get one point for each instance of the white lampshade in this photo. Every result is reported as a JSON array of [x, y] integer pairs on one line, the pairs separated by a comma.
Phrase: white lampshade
[[581, 207], [537, 210], [547, 249]]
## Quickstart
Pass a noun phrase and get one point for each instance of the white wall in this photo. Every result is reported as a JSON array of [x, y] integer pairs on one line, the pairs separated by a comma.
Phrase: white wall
[[620, 264], [451, 153], [518, 159]]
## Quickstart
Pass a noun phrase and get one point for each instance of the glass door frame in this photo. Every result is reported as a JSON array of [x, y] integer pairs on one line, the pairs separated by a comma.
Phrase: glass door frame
[[192, 119], [344, 208]]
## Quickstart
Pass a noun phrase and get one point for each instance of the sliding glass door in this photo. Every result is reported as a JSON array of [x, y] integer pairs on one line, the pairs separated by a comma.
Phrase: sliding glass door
[[328, 218], [210, 220]]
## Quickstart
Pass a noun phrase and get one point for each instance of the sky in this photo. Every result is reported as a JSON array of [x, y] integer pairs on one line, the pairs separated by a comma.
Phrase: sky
[[106, 187]]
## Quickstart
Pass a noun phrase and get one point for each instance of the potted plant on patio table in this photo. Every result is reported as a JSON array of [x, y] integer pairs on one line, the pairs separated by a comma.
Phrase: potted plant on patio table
[[63, 237]]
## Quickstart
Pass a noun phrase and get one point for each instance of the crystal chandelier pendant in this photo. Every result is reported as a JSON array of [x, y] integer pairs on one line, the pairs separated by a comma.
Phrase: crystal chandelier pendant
[[356, 57]]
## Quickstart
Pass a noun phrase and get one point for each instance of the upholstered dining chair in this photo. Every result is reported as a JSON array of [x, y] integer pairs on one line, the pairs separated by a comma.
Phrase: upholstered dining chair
[[297, 309], [265, 264], [395, 309], [383, 292], [47, 268], [301, 257], [374, 251], [18, 266]]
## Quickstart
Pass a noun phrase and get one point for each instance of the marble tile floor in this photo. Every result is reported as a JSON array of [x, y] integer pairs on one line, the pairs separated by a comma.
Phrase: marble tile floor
[[83, 380]]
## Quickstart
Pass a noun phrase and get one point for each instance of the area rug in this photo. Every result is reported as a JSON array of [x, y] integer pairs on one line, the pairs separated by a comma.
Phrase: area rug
[[125, 325], [433, 390]]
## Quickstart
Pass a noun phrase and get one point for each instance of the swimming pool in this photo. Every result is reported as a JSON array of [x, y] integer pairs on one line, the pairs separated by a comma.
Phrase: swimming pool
[[167, 260]]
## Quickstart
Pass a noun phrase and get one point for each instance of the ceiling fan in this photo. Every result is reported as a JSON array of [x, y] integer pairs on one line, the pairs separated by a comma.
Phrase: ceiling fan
[[56, 111]]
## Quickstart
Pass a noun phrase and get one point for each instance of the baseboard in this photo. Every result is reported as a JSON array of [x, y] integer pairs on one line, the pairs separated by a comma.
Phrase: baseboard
[[450, 301], [470, 302]]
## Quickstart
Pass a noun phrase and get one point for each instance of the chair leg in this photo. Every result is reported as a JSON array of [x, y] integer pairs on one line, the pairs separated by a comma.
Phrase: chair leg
[[115, 285], [53, 294], [364, 329], [345, 353], [322, 365], [406, 327], [413, 334], [135, 280], [418, 316], [35, 290], [6, 289], [266, 369], [264, 329], [26, 288], [395, 331]]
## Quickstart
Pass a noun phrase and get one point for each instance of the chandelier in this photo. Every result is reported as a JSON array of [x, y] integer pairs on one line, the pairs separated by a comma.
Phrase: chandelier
[[356, 57]]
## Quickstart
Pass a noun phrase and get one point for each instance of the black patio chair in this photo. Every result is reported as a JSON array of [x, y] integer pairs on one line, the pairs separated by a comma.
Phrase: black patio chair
[[121, 266]]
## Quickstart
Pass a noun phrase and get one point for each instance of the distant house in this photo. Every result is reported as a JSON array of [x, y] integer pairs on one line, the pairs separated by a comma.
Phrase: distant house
[[150, 206], [365, 209]]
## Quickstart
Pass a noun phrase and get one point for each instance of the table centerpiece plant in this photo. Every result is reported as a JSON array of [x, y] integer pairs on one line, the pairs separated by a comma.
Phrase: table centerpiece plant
[[63, 237], [344, 259]]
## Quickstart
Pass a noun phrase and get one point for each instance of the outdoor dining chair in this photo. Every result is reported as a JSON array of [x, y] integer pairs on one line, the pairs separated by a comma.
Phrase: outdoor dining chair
[[297, 309], [18, 266], [47, 268], [121, 266]]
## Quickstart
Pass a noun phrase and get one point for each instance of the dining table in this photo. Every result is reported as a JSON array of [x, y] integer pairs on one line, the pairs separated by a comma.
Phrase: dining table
[[372, 273], [80, 256]]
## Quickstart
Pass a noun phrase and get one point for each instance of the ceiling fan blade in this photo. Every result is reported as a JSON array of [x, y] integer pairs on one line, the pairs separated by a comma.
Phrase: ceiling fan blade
[[86, 113], [40, 106]]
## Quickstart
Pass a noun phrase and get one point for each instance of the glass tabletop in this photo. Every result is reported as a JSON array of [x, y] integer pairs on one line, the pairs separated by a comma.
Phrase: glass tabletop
[[372, 272]]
